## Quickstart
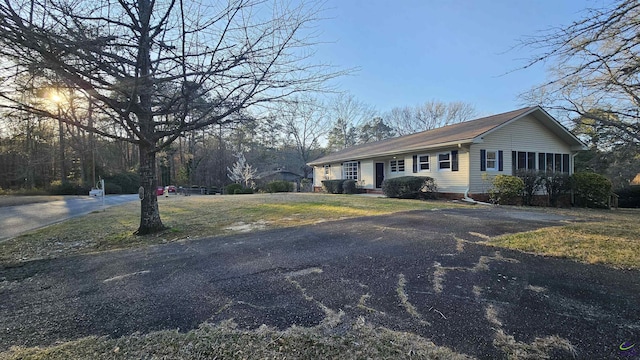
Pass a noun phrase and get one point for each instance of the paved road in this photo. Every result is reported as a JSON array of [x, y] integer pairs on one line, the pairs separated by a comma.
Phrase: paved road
[[424, 272], [15, 220]]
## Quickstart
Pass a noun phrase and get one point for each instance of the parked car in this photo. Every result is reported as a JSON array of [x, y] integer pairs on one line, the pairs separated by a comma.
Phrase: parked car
[[172, 189], [160, 190], [95, 192]]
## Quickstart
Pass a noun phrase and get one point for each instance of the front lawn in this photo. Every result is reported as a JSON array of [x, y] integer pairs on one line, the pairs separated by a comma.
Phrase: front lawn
[[193, 217]]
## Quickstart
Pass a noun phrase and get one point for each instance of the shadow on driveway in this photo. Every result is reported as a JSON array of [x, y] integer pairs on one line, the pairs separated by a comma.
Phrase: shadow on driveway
[[425, 272]]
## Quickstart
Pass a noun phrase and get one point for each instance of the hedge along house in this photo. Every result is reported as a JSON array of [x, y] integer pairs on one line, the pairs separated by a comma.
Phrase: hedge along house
[[462, 158]]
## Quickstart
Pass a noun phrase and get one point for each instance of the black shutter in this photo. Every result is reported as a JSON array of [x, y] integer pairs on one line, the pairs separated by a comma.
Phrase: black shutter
[[500, 160], [483, 160], [514, 160], [565, 163], [415, 164], [454, 160]]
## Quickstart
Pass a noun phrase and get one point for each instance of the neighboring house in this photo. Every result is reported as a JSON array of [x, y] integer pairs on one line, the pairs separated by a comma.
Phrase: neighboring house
[[462, 157], [279, 175], [285, 175]]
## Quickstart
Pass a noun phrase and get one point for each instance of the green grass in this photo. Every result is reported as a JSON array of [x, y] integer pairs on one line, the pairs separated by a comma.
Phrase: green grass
[[196, 217], [609, 237]]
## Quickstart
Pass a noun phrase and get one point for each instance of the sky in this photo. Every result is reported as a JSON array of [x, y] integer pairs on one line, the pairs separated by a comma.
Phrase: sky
[[411, 51]]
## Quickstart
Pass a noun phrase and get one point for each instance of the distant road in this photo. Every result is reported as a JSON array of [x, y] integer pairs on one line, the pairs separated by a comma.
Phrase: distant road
[[14, 220]]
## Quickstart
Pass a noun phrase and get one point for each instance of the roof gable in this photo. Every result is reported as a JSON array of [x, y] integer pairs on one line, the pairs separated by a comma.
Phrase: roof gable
[[461, 133]]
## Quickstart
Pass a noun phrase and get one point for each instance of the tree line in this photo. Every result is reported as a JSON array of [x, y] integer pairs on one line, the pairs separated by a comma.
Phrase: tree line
[[40, 153]]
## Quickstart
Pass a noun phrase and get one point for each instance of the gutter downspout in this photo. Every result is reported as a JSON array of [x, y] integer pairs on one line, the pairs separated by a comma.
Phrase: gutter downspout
[[472, 201]]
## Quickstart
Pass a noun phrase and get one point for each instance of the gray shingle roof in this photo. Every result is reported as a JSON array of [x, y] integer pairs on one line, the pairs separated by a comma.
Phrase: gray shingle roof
[[460, 133]]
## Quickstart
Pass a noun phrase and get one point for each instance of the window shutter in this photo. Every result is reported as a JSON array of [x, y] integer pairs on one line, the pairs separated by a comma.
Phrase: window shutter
[[514, 160], [500, 160], [415, 163], [454, 160], [483, 160]]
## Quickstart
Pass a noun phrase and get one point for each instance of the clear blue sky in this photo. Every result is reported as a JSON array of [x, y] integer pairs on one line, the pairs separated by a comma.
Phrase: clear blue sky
[[410, 51]]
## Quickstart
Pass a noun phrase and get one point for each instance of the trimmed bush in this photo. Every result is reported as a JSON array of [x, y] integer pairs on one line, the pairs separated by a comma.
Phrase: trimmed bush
[[506, 189], [591, 190], [333, 186], [231, 188], [409, 187], [279, 186], [533, 181], [349, 186]]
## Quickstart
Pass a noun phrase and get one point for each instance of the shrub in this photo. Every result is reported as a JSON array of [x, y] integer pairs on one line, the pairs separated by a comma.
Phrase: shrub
[[333, 186], [112, 188], [556, 184], [127, 182], [279, 186], [231, 188], [533, 181], [591, 189], [629, 197], [349, 186], [506, 189], [409, 187], [68, 188], [243, 191]]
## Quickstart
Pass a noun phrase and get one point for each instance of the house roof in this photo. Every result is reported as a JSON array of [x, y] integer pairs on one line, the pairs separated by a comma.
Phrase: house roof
[[457, 134]]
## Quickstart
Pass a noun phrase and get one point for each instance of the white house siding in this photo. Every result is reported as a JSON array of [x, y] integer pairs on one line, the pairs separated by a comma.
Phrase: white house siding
[[446, 180], [367, 174], [525, 134], [335, 172]]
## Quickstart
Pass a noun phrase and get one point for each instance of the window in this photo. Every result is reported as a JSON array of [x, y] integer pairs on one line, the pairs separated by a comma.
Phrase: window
[[549, 162], [526, 160], [396, 166], [350, 170], [444, 161], [423, 163], [327, 171], [492, 160]]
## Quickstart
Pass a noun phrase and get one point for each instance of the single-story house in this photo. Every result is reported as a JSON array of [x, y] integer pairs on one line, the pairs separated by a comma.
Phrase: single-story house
[[462, 158]]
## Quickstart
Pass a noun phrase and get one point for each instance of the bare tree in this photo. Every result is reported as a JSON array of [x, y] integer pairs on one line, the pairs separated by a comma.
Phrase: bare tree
[[430, 115], [595, 65], [348, 114], [306, 123], [156, 69]]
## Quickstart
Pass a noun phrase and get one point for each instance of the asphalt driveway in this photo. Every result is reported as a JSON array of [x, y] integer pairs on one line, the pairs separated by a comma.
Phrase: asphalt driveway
[[422, 272]]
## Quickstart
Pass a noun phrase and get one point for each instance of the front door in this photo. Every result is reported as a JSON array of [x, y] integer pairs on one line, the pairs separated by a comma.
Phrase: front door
[[379, 175]]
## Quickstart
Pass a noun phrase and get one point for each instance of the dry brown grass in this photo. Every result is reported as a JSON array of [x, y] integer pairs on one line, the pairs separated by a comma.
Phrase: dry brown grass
[[224, 341], [10, 200], [609, 237], [196, 217]]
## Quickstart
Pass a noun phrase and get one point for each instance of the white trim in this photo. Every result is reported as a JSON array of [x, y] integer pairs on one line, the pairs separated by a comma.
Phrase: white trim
[[440, 161], [420, 163], [495, 160], [397, 166]]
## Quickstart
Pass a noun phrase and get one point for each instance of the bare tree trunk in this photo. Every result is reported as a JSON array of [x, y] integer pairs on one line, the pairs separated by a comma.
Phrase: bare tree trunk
[[149, 215], [63, 167]]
